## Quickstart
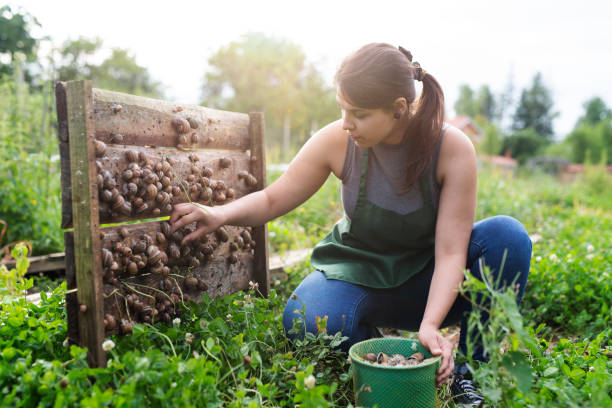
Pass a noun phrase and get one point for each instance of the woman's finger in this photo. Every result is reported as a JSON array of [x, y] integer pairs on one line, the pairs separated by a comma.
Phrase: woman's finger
[[178, 210], [188, 218]]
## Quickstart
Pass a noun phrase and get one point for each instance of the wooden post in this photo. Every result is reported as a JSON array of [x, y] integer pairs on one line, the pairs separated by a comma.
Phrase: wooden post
[[87, 257], [258, 169]]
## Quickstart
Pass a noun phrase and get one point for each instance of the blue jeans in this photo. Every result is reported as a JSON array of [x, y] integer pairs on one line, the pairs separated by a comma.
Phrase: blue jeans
[[357, 310]]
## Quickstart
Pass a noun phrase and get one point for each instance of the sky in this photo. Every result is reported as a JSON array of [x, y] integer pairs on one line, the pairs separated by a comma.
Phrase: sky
[[472, 42]]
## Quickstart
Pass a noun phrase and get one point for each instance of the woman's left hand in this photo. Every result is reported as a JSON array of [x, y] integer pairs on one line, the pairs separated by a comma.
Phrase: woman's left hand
[[430, 337]]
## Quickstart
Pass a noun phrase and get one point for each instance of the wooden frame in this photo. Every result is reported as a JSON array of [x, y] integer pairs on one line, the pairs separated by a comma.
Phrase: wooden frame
[[125, 158]]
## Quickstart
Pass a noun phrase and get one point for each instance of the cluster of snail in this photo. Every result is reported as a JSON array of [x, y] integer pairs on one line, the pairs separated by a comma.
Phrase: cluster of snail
[[396, 360], [156, 253]]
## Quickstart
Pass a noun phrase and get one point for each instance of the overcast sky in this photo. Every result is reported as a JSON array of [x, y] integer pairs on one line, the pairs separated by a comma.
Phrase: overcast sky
[[471, 41]]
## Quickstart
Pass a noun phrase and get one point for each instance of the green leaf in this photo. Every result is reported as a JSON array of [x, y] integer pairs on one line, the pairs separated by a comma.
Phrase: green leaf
[[550, 371], [516, 363]]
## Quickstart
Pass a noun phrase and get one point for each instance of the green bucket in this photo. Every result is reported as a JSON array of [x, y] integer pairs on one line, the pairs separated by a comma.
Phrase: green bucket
[[413, 386]]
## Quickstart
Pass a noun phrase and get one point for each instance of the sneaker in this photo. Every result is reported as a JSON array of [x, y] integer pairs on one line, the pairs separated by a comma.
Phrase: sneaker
[[464, 393]]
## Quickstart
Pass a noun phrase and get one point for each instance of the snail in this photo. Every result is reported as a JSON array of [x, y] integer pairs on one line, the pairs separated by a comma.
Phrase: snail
[[107, 257], [202, 285], [126, 326], [233, 258], [192, 122], [131, 189], [140, 209], [160, 238], [180, 125], [127, 175], [132, 156], [142, 156], [156, 212], [222, 234], [109, 322], [194, 138], [109, 182], [106, 195], [230, 193], [191, 283], [100, 181], [100, 148], [132, 268], [117, 138], [116, 108], [207, 172], [225, 162], [166, 228]]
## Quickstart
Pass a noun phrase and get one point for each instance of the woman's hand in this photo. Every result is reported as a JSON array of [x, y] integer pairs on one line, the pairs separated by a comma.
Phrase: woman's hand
[[208, 219], [431, 338]]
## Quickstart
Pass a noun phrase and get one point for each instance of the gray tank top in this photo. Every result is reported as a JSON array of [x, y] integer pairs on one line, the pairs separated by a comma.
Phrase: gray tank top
[[386, 183]]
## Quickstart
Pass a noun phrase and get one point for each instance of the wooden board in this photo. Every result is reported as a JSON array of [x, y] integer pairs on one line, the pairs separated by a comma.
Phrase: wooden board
[[121, 163], [148, 122]]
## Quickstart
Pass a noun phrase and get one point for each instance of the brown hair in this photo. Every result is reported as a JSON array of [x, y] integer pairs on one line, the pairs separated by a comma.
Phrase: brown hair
[[374, 76]]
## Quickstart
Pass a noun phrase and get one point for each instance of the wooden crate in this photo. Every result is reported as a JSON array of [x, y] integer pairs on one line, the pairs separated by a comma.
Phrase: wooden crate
[[126, 158]]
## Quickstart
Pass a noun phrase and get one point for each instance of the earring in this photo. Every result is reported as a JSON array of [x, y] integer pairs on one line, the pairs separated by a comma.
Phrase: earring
[[396, 115]]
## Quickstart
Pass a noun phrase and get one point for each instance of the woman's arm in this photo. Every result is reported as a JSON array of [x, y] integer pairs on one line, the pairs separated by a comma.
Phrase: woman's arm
[[306, 174], [458, 172]]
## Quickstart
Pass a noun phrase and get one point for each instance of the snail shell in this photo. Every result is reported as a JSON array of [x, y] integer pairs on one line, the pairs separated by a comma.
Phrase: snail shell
[[220, 185], [182, 139], [251, 180], [176, 191], [124, 232], [114, 266], [107, 257], [193, 123], [202, 285], [166, 167], [222, 234], [127, 175], [100, 148], [185, 251], [100, 181], [160, 238], [230, 193], [225, 162], [132, 156], [132, 189], [117, 138], [109, 183], [140, 247], [158, 166], [116, 108], [156, 212], [246, 236], [118, 202], [98, 166], [165, 271], [168, 208], [242, 174], [180, 125], [151, 190], [219, 196], [109, 322], [126, 326], [140, 209], [233, 258], [165, 181], [177, 236], [195, 138], [207, 172], [191, 283], [126, 208], [159, 197], [370, 357], [157, 269], [166, 228], [174, 251], [132, 268], [106, 195]]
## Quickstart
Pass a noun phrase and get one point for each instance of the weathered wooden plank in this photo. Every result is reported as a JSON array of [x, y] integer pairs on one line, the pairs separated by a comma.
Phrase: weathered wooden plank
[[79, 108], [258, 169], [64, 149], [72, 304], [220, 262], [148, 122], [197, 170]]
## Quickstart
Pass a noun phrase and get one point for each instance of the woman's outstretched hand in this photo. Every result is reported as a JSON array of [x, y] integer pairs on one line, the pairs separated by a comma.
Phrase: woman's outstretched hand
[[430, 337], [208, 219]]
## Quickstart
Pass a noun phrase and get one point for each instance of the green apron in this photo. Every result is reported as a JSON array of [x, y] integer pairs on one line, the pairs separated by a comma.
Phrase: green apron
[[378, 248]]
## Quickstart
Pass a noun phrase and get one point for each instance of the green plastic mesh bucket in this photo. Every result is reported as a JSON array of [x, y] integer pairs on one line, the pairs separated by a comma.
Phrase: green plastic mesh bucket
[[393, 386]]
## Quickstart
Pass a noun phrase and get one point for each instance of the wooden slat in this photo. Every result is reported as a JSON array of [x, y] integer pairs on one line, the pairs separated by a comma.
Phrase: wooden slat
[[72, 304], [148, 122], [79, 104], [258, 169], [220, 276], [64, 149], [115, 161]]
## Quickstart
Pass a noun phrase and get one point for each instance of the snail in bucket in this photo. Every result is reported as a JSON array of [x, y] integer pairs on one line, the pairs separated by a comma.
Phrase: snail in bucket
[[396, 360]]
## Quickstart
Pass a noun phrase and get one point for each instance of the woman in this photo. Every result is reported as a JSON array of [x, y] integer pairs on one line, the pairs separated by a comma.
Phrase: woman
[[397, 257]]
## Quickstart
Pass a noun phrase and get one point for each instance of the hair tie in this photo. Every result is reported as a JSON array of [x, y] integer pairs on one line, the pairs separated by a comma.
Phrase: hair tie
[[419, 73]]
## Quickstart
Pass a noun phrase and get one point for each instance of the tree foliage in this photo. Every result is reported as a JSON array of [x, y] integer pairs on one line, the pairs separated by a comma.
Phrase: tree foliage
[[524, 144], [535, 110], [118, 72], [16, 41], [261, 73]]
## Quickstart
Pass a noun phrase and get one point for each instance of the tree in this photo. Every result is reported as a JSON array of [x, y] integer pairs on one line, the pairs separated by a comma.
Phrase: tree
[[119, 72], [16, 41], [492, 141], [485, 103], [535, 110], [465, 104], [524, 144], [270, 75], [595, 111]]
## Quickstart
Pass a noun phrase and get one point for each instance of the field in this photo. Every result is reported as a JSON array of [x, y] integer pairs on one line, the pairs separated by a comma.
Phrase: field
[[232, 351]]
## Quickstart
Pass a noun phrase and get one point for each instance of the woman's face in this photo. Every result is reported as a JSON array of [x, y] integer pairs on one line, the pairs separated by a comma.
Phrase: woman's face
[[367, 127]]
